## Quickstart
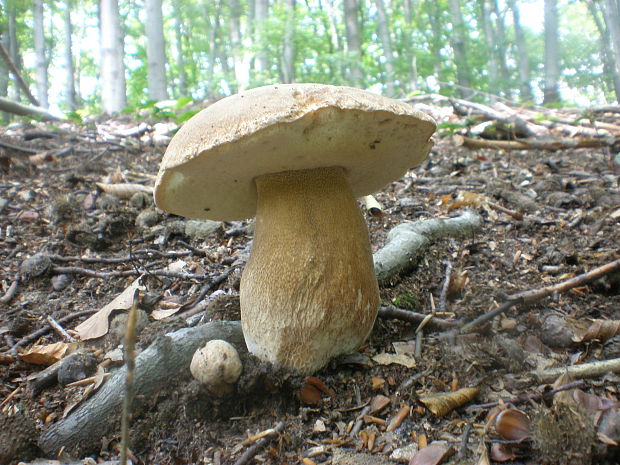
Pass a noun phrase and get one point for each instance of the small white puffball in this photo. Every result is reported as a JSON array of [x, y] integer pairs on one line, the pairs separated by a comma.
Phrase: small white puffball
[[216, 365]]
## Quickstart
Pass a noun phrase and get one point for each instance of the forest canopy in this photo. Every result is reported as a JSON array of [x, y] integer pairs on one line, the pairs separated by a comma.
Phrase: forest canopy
[[110, 55]]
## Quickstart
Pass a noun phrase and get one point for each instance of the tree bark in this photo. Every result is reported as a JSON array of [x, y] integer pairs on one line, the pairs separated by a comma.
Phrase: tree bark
[[39, 51], [155, 50], [522, 56], [353, 35], [261, 60], [70, 96], [113, 87], [552, 53], [489, 39], [179, 31], [612, 18], [16, 108], [459, 47], [13, 50], [386, 43]]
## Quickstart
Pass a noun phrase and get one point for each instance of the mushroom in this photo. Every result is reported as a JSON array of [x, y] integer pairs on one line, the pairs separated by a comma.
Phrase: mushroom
[[217, 366], [297, 156]]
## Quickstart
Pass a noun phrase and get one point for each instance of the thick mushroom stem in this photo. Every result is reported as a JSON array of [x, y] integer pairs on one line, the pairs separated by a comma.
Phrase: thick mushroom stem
[[308, 292]]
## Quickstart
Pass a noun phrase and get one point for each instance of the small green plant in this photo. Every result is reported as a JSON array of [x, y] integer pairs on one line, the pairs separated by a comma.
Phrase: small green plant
[[407, 301]]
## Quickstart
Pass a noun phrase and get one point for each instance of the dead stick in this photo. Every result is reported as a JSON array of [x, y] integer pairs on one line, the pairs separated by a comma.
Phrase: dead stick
[[528, 397], [20, 81], [443, 297], [258, 445], [389, 311], [62, 332], [585, 370], [542, 292], [130, 363], [10, 292]]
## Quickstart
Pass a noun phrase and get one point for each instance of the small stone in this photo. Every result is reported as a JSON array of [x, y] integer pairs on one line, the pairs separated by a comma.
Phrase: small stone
[[199, 229], [36, 265], [75, 367], [61, 281], [141, 200], [404, 454], [147, 218], [3, 203], [107, 202], [556, 333]]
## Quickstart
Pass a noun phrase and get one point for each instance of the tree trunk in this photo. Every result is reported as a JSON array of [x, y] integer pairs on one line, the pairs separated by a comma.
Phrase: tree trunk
[[179, 30], [288, 47], [70, 97], [552, 53], [459, 46], [384, 35], [522, 57], [155, 50], [489, 39], [435, 20], [113, 89], [612, 18], [39, 51], [241, 57], [353, 35], [14, 91], [261, 60]]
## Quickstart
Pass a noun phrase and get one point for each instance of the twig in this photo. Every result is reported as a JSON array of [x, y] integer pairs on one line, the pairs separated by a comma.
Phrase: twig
[[585, 370], [130, 362], [10, 292], [528, 397], [464, 440], [46, 329], [258, 445], [389, 311], [76, 270], [443, 297], [533, 295], [59, 329]]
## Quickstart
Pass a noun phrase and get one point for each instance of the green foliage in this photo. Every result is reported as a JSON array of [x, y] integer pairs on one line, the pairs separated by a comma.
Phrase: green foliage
[[406, 301]]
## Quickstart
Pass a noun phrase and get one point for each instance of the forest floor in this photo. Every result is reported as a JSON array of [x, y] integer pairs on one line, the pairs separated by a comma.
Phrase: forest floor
[[68, 248]]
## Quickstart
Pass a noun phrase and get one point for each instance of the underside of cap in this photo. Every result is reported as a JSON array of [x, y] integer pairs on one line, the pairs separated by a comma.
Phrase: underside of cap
[[209, 168]]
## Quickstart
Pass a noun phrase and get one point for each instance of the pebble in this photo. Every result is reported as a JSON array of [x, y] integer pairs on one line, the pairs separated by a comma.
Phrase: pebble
[[36, 265], [75, 367], [199, 229]]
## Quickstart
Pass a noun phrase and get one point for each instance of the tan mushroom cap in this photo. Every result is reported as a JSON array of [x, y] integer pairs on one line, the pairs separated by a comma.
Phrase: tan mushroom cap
[[210, 164]]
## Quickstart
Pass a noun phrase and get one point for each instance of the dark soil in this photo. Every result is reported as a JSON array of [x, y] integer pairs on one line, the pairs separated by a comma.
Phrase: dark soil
[[566, 206]]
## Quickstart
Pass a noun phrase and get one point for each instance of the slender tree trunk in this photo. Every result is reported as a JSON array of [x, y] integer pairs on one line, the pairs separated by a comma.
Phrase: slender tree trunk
[[435, 20], [70, 96], [241, 58], [353, 35], [384, 36], [39, 50], [214, 53], [489, 39], [408, 53], [14, 91], [459, 46], [261, 61], [522, 56], [552, 53], [179, 30], [609, 63], [155, 50], [288, 47], [612, 19], [113, 88], [500, 47]]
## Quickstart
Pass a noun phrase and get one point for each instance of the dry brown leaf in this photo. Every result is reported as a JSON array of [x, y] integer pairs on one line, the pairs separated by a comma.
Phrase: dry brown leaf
[[600, 330], [45, 354], [512, 424], [378, 403], [463, 199], [443, 403], [434, 454], [502, 453], [398, 419], [124, 190], [483, 453], [97, 325], [165, 313]]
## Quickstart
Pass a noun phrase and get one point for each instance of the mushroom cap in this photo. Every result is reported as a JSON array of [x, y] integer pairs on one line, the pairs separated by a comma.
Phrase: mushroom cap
[[217, 365], [209, 166]]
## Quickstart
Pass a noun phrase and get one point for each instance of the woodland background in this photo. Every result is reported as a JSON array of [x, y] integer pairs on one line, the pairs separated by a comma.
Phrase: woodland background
[[88, 57]]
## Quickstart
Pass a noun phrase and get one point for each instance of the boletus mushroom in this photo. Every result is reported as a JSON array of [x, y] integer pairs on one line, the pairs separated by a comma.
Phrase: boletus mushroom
[[297, 156]]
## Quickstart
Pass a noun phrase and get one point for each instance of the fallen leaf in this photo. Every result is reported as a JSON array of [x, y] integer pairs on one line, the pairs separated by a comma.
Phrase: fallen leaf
[[600, 330], [164, 313], [502, 453], [378, 403], [45, 354], [443, 403], [399, 359], [434, 454], [512, 424], [97, 325]]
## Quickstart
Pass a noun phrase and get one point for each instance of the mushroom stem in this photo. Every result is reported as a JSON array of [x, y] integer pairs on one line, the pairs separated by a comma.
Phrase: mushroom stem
[[309, 291]]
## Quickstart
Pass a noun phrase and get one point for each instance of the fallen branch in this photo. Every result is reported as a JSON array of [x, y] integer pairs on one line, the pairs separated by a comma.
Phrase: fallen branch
[[389, 311], [532, 144], [20, 81], [585, 370], [533, 295], [167, 358], [407, 240], [258, 445], [10, 106]]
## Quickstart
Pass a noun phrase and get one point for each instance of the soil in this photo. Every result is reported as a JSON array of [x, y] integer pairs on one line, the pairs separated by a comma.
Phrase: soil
[[88, 246]]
